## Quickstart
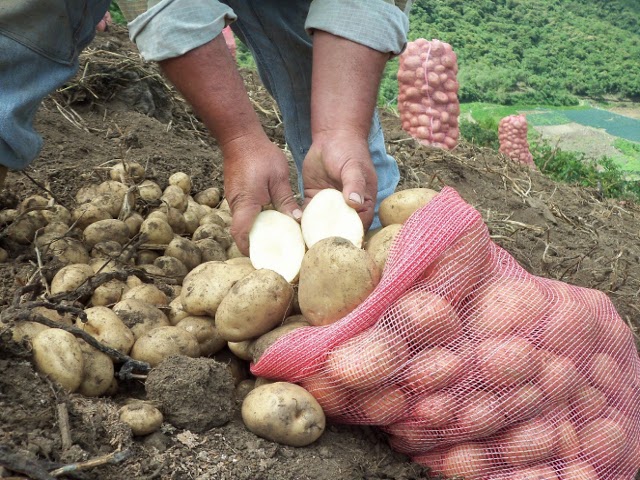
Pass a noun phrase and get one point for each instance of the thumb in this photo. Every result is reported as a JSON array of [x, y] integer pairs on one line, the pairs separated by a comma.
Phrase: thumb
[[283, 201], [244, 214], [354, 185]]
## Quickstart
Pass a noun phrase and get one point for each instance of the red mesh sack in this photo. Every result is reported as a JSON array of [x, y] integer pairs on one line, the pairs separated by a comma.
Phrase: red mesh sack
[[512, 133], [428, 93], [230, 40], [473, 366]]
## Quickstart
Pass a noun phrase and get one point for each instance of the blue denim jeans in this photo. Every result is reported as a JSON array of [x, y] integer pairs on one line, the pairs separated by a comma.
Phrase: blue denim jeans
[[282, 50], [39, 46]]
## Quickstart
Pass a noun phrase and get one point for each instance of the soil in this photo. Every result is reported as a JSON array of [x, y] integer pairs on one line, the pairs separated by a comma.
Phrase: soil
[[120, 108], [594, 143]]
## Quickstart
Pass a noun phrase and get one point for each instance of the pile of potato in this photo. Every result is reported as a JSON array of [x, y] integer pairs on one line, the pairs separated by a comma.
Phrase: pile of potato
[[206, 296]]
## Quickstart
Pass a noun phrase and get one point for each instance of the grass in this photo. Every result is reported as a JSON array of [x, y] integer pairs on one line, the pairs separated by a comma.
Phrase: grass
[[489, 114]]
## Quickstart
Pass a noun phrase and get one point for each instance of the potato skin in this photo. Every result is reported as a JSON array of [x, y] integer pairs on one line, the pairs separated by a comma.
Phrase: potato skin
[[255, 304], [98, 371], [57, 354], [257, 347], [103, 324], [335, 277], [162, 342], [285, 413], [398, 207], [141, 417], [379, 244]]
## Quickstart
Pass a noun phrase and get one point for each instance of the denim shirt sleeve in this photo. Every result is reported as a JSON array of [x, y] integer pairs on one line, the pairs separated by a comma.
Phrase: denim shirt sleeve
[[379, 24], [170, 28]]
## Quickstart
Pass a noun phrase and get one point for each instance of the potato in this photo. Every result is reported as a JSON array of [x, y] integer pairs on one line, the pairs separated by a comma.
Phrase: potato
[[146, 257], [22, 230], [103, 230], [209, 197], [332, 397], [54, 316], [243, 389], [134, 222], [57, 213], [186, 251], [106, 249], [206, 285], [88, 213], [213, 217], [68, 251], [163, 342], [335, 277], [142, 417], [176, 312], [234, 252], [602, 442], [211, 250], [215, 232], [470, 461], [527, 443], [86, 193], [103, 324], [152, 270], [156, 231], [149, 191], [98, 371], [32, 201], [255, 305], [4, 255], [435, 410], [224, 205], [127, 172], [479, 415], [285, 413], [182, 180], [206, 333], [8, 215], [237, 367], [57, 354], [110, 202], [191, 221], [26, 331], [242, 350], [432, 369], [139, 316], [159, 215], [579, 470], [175, 219], [171, 267], [522, 403], [328, 215], [225, 215], [70, 277], [276, 243], [399, 206], [507, 361], [108, 293], [147, 293], [261, 344], [112, 187], [260, 381], [380, 244], [174, 197], [383, 405]]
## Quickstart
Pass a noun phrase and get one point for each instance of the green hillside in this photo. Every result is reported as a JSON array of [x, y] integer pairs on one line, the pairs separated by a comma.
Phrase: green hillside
[[534, 51]]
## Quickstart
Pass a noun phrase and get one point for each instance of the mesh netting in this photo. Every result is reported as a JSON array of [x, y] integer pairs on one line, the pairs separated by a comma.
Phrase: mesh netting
[[512, 133], [428, 93], [473, 366]]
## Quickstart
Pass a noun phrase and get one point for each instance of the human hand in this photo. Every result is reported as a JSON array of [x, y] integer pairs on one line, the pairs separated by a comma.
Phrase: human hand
[[103, 25], [341, 160], [256, 173]]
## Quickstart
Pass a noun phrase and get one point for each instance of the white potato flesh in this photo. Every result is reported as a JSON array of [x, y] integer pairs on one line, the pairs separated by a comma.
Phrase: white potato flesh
[[328, 215], [276, 243]]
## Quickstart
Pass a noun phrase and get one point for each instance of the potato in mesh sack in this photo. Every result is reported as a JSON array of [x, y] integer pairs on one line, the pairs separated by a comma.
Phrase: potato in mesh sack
[[473, 366]]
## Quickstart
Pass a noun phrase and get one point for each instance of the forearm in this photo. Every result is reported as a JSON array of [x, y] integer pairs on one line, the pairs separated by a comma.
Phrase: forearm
[[345, 81], [209, 80]]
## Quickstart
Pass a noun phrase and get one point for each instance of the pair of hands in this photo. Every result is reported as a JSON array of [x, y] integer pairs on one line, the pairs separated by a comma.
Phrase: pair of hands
[[256, 173]]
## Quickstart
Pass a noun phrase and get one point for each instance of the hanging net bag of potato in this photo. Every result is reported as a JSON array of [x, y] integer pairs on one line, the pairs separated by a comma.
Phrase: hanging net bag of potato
[[512, 132], [473, 366], [428, 93]]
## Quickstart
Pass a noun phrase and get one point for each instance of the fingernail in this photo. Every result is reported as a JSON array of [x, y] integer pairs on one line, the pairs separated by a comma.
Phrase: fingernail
[[297, 214], [354, 197]]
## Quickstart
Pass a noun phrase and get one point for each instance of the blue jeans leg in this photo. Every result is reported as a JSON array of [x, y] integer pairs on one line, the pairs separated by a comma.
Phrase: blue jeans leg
[[275, 34]]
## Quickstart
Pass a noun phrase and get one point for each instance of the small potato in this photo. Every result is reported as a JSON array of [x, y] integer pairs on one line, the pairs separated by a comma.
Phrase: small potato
[[152, 270], [398, 207], [259, 346], [140, 317], [68, 251], [211, 250], [186, 251], [8, 215], [176, 312], [97, 373], [215, 232], [206, 333], [175, 219], [335, 277], [108, 293], [112, 187], [33, 201], [103, 230], [22, 230], [156, 231], [149, 191], [285, 413], [225, 215], [378, 246], [86, 194], [103, 265], [158, 214], [88, 213], [182, 180], [163, 342], [4, 255], [209, 197], [127, 172], [171, 267], [255, 305], [243, 389], [142, 417], [174, 197], [70, 277], [57, 354], [234, 252], [191, 221], [26, 331], [58, 213], [147, 293], [224, 205], [146, 257], [206, 285], [110, 202], [54, 316], [103, 324], [107, 249], [133, 281], [134, 221], [213, 217], [242, 350], [260, 381]]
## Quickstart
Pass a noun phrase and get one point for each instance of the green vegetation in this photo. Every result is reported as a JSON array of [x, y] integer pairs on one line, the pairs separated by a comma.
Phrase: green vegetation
[[116, 14], [546, 52]]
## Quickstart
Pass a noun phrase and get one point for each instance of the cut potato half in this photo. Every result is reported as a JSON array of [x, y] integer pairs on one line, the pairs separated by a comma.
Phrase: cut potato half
[[328, 215], [276, 243]]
